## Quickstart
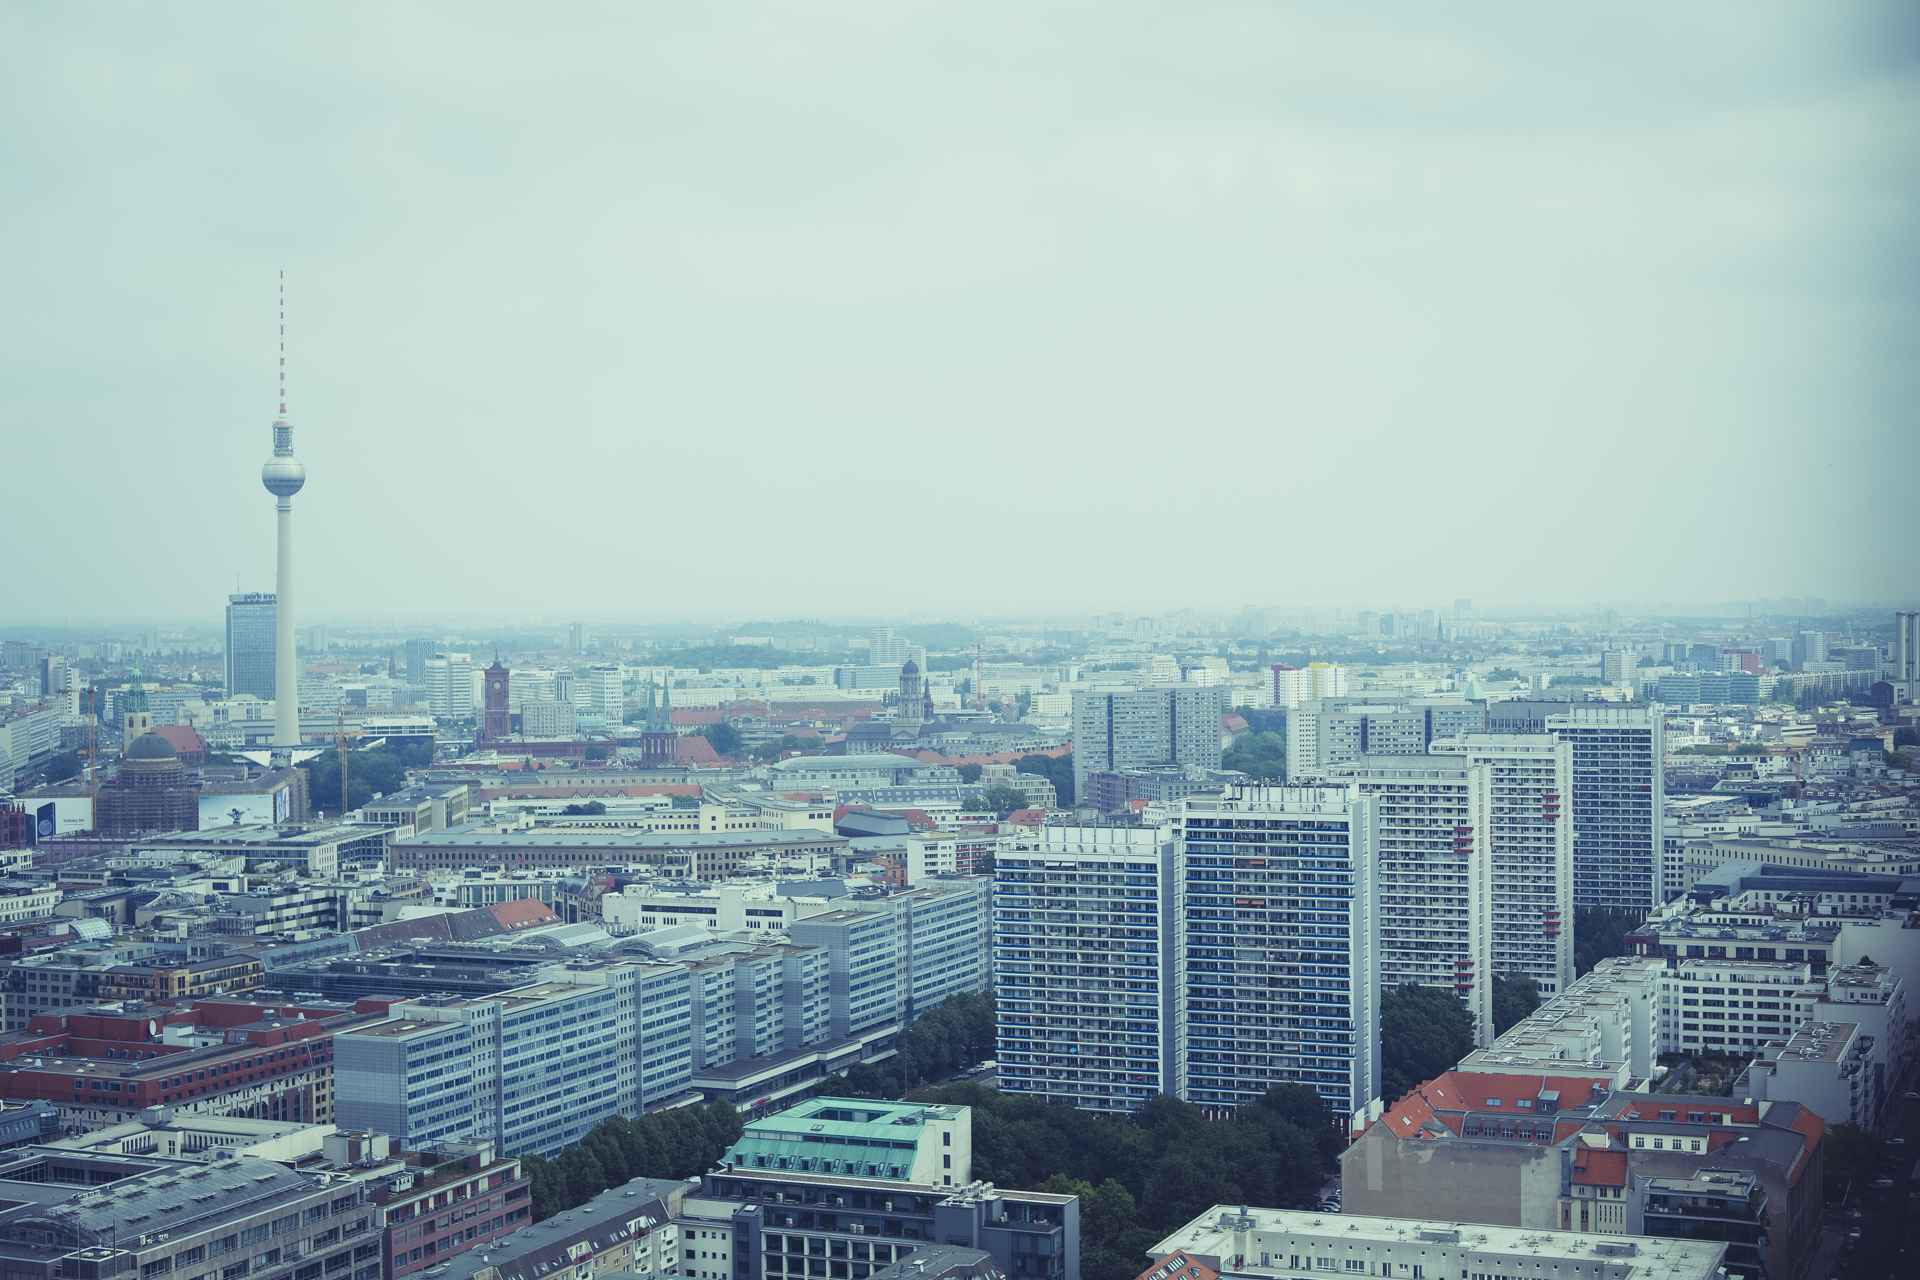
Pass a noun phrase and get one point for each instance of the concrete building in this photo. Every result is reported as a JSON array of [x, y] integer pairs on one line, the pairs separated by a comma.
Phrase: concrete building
[[449, 685], [1269, 1244], [441, 1067], [898, 1176], [75, 1210], [701, 855], [1087, 1012], [1619, 800], [1340, 730], [1293, 686], [625, 1231], [1529, 840], [1503, 1150], [1125, 727], [1809, 646], [1433, 876], [249, 645], [1279, 959]]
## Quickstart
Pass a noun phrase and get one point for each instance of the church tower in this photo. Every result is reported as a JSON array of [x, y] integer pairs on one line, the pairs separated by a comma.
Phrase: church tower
[[912, 705], [134, 721], [497, 723]]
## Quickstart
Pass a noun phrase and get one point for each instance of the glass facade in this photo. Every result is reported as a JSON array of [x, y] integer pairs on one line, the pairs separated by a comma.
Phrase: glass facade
[[250, 626]]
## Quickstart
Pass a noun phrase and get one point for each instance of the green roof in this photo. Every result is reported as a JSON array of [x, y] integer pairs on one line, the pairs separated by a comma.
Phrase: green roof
[[856, 1137]]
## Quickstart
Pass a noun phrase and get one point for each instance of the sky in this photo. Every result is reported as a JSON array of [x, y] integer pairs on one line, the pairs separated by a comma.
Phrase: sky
[[984, 309]]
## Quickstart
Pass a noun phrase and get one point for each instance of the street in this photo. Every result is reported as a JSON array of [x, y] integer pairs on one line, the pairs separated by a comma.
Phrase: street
[[1882, 1253]]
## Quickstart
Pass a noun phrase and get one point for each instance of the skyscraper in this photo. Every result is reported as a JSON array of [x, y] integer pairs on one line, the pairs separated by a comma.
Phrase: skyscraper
[[450, 686], [1279, 910], [1434, 875], [577, 638], [283, 477], [251, 627], [1809, 646], [1529, 840], [1619, 800], [418, 652], [1125, 728], [1087, 1011]]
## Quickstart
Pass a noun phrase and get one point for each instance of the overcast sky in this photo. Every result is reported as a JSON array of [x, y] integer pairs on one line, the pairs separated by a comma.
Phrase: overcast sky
[[984, 309]]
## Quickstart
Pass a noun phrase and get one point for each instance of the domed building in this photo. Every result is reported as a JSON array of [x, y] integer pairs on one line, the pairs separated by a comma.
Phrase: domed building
[[151, 793]]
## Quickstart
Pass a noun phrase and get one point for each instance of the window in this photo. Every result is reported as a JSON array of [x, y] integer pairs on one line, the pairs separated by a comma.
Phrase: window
[[1493, 1102], [1356, 1264]]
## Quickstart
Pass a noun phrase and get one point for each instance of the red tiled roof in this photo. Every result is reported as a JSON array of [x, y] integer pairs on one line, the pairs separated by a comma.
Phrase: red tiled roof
[[1001, 757], [695, 716], [1594, 1167], [182, 737], [523, 914], [1233, 723], [1483, 1092], [694, 749], [1028, 817]]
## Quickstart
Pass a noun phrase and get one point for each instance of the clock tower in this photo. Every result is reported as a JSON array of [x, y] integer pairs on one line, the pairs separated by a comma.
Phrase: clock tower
[[498, 721]]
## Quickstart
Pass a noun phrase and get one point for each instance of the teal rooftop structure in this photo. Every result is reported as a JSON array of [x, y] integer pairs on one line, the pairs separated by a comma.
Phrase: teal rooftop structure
[[924, 1144]]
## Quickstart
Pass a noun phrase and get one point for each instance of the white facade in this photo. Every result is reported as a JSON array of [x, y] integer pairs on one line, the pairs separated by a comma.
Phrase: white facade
[[1316, 680], [1434, 875], [606, 692], [1529, 837], [450, 681]]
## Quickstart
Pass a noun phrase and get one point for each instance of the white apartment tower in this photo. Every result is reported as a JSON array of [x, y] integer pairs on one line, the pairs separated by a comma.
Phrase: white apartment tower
[[1434, 874], [1529, 840]]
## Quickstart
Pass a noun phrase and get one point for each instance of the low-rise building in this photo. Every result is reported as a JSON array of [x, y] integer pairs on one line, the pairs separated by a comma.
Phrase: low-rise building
[[1259, 1244]]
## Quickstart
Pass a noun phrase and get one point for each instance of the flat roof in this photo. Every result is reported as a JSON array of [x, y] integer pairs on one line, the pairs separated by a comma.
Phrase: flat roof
[[1215, 1233], [460, 838]]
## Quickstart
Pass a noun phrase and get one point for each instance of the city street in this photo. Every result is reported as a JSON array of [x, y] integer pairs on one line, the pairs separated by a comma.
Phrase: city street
[[1881, 1252]]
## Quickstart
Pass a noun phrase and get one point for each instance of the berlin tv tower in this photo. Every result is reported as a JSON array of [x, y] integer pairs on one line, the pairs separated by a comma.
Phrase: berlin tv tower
[[283, 475]]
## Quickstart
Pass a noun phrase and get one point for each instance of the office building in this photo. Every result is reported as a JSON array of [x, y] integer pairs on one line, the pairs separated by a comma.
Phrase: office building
[[625, 1231], [1276, 1244], [1338, 730], [250, 634], [82, 1213], [1619, 800], [1295, 685], [543, 719], [607, 692], [1087, 1011], [1279, 960], [1507, 1149], [1434, 874], [1529, 840], [418, 652], [1809, 646], [843, 1187], [450, 686], [445, 1067], [1617, 665], [577, 638], [1124, 727]]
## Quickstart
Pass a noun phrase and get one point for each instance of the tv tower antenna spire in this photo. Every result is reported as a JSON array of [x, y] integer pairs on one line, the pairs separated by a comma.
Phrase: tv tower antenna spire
[[283, 477]]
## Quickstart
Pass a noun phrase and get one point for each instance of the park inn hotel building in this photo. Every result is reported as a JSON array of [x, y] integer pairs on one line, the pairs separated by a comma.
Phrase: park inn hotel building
[[1235, 955]]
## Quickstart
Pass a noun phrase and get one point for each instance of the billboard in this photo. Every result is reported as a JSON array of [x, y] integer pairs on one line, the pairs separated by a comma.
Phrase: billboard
[[60, 816], [247, 809]]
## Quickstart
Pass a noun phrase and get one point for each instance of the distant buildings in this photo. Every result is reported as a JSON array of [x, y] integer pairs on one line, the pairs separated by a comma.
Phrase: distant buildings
[[1295, 685]]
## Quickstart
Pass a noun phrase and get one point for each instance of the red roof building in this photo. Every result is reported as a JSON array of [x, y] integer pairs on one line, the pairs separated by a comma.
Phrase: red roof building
[[186, 743], [1178, 1266]]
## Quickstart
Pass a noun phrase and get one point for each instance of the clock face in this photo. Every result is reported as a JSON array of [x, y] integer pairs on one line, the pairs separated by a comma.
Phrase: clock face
[[496, 684]]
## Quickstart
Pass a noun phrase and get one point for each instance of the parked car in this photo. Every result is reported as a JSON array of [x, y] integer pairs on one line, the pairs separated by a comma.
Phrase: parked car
[[1896, 1142], [1882, 1184]]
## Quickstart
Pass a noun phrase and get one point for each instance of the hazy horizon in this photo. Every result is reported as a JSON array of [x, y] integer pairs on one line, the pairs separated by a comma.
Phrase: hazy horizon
[[621, 313]]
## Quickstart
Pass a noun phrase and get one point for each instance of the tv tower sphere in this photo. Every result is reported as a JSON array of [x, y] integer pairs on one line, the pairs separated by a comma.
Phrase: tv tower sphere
[[283, 475]]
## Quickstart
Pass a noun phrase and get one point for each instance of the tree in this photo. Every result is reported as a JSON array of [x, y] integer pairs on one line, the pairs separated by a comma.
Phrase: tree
[[382, 770], [774, 748], [1503, 673], [592, 808], [1055, 769], [1851, 1156], [999, 801], [63, 766], [1906, 736], [1424, 1031], [1260, 755], [970, 773], [725, 738], [1515, 995], [1599, 932], [596, 755]]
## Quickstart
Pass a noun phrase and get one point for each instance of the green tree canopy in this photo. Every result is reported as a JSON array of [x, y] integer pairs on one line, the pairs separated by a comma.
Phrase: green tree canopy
[[1515, 995], [1055, 769], [1599, 932], [725, 738], [773, 748], [1423, 1032], [1850, 1156], [381, 770], [999, 801], [675, 1144], [1260, 755], [970, 773]]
